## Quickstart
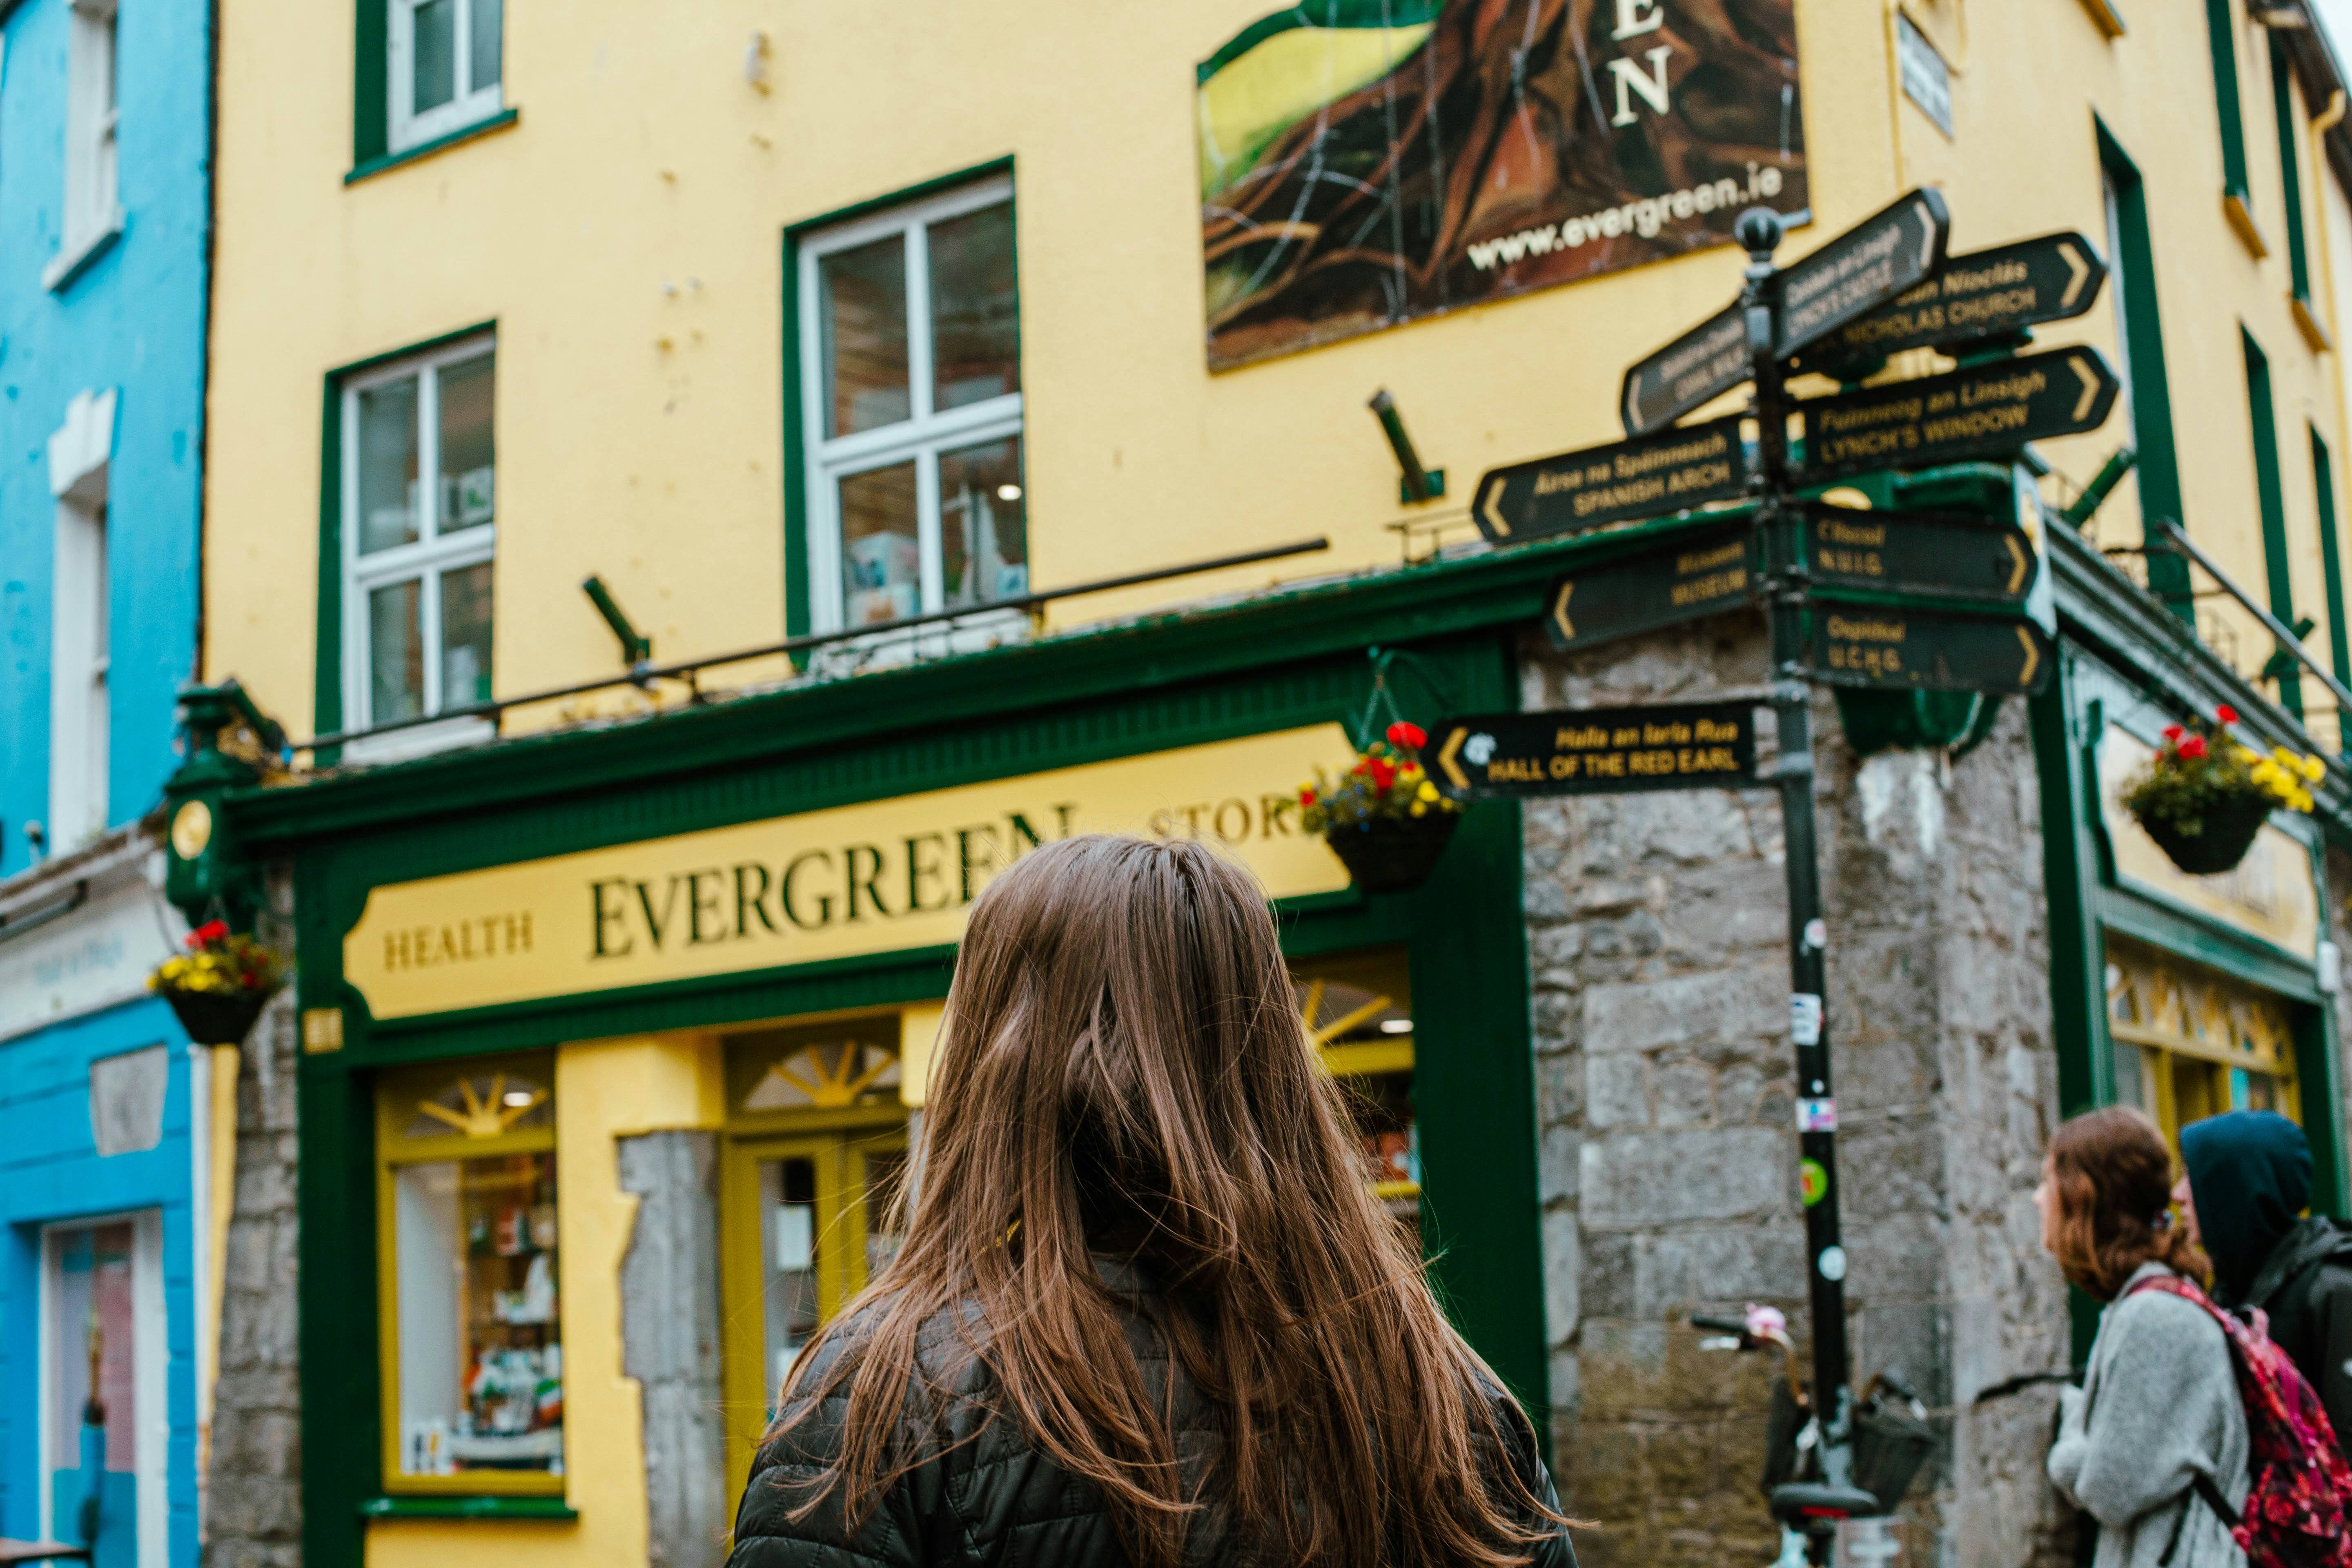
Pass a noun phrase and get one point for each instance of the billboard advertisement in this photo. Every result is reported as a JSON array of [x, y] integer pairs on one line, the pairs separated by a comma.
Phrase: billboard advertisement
[[1366, 162]]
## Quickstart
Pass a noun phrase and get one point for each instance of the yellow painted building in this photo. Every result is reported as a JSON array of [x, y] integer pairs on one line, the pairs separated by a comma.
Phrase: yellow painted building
[[622, 226], [777, 321]]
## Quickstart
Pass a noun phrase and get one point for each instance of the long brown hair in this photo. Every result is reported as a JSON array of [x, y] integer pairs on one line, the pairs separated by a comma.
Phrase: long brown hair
[[1123, 1069], [2112, 1180]]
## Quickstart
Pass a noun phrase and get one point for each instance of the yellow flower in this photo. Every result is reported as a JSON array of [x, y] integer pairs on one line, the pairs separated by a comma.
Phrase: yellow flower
[[2248, 754], [2313, 768], [1419, 809], [1427, 791]]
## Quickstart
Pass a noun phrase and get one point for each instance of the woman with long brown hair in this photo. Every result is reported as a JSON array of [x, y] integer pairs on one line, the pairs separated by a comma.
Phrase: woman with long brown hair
[[2153, 1445], [1147, 1309]]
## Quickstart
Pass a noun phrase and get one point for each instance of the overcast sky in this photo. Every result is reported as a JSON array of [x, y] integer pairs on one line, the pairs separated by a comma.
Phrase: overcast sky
[[2336, 15]]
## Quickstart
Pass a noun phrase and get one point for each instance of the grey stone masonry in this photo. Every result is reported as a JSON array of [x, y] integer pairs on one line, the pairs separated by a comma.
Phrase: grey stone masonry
[[1658, 932], [669, 1342], [253, 1489]]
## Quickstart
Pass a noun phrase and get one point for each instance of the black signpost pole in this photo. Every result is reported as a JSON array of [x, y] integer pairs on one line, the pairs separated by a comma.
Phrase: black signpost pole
[[1781, 521]]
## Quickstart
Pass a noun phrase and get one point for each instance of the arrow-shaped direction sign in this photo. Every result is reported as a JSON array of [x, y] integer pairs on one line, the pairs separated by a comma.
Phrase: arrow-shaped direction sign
[[1703, 364], [1988, 408], [1994, 293], [1697, 574], [1880, 258], [1621, 482], [1884, 254], [1595, 750], [1946, 555], [1920, 650]]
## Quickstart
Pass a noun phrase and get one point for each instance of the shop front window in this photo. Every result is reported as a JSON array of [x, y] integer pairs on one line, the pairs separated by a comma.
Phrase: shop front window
[[473, 1333], [2190, 1043], [1359, 1014]]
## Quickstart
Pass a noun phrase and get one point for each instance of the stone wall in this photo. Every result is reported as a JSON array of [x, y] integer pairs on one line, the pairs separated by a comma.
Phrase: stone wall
[[1658, 933], [253, 1493]]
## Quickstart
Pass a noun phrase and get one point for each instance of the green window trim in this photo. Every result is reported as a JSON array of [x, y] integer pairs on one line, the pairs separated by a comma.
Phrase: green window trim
[[2270, 493], [370, 83], [464, 133], [797, 622], [2331, 562], [2142, 329], [2220, 25], [549, 1510], [326, 665], [2290, 169]]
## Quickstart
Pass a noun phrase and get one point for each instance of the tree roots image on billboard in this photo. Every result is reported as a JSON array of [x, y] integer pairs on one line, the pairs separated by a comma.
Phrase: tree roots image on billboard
[[1364, 162]]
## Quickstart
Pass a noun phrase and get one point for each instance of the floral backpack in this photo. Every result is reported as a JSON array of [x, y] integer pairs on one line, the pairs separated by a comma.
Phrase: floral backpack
[[2296, 1510]]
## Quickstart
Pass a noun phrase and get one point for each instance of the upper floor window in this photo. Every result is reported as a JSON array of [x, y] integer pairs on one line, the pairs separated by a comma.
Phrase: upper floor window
[[420, 472], [911, 385], [91, 210], [78, 708], [446, 63]]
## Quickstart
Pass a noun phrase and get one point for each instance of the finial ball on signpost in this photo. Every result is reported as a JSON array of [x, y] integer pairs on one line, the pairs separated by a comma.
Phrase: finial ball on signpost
[[1758, 232]]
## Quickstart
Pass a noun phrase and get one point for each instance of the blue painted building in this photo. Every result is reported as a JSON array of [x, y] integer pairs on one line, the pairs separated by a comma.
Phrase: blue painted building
[[105, 1108]]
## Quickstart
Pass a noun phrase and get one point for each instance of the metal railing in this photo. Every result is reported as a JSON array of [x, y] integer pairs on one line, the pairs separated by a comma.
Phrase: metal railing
[[644, 674]]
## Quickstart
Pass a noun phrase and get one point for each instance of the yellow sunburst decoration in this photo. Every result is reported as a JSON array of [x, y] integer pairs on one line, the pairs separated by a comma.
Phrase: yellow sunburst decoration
[[830, 1076], [485, 1118], [1325, 1034]]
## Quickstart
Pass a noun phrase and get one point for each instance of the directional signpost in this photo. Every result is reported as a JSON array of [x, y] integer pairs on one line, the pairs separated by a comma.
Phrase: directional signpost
[[1577, 491], [1702, 365], [1882, 600], [1936, 554], [1878, 260], [1697, 575], [1995, 407], [1984, 295], [1701, 572], [1924, 650], [1595, 750]]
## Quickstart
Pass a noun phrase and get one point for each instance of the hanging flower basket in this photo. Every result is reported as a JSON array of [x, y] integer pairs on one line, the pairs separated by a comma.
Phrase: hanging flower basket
[[1390, 855], [217, 1020], [219, 986], [1383, 817], [2204, 796]]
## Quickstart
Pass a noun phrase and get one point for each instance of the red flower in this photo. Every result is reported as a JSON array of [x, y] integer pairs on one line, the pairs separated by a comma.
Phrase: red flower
[[2193, 747], [2226, 714], [2173, 731], [1404, 734], [211, 931], [1307, 797], [1383, 773]]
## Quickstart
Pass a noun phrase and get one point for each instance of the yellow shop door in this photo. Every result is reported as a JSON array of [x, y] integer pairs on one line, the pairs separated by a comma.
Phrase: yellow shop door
[[816, 1142]]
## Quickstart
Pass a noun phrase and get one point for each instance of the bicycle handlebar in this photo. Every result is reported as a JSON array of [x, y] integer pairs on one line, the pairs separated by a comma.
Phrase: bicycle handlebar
[[1720, 1325]]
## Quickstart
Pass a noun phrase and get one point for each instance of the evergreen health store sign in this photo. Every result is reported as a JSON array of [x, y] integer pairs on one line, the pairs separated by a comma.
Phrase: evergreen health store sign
[[875, 876]]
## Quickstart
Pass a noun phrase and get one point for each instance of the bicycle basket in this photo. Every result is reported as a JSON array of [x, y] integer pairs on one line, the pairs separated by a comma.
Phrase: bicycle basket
[[1889, 1447]]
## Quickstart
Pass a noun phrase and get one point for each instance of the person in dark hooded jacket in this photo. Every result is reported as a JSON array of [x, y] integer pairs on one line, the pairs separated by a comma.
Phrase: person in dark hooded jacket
[[2249, 1176]]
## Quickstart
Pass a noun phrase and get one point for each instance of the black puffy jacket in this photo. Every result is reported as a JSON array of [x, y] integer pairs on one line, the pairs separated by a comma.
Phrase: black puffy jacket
[[986, 1496]]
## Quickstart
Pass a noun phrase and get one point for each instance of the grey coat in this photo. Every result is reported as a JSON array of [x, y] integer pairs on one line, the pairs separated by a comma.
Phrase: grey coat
[[2159, 1405]]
